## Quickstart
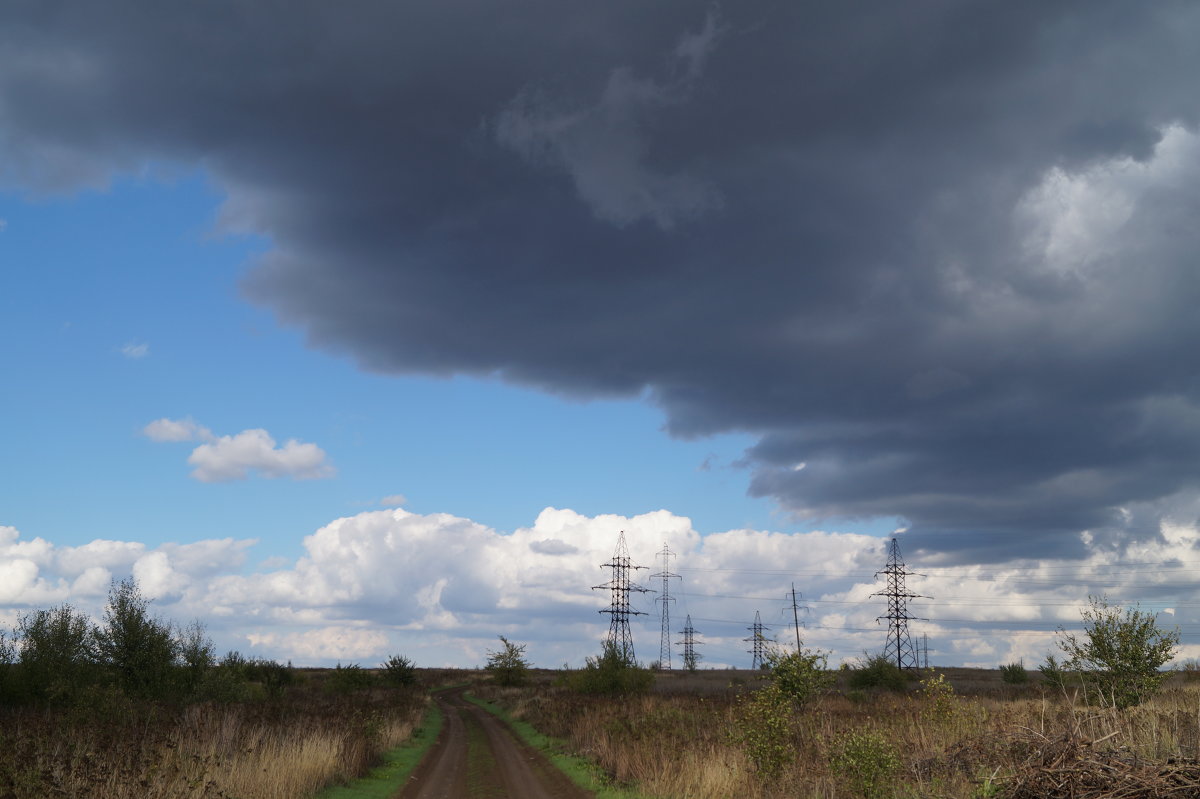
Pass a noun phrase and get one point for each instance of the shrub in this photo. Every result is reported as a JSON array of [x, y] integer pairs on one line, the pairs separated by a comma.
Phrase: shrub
[[57, 654], [866, 760], [1120, 653], [197, 656], [801, 676], [507, 664], [1191, 669], [275, 677], [763, 729], [1053, 673], [399, 670], [138, 648], [878, 672], [940, 701], [1014, 673], [347, 679], [610, 673]]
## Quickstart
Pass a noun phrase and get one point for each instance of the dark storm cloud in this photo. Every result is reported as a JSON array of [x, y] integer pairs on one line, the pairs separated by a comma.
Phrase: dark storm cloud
[[938, 253]]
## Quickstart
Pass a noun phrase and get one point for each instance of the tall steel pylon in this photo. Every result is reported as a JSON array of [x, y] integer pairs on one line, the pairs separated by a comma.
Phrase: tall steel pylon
[[619, 610], [690, 657], [758, 648], [899, 648], [664, 642]]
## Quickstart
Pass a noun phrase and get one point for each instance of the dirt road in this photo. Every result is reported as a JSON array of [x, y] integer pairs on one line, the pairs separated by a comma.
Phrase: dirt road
[[479, 757]]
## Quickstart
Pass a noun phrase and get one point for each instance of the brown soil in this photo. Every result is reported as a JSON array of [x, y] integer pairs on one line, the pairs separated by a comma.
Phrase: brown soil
[[479, 757]]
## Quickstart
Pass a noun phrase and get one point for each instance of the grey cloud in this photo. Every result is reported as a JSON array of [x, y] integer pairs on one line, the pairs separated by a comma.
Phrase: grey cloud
[[817, 224]]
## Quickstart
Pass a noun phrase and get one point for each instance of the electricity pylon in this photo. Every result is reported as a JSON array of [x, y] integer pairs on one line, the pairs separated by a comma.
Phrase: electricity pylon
[[899, 648], [796, 608], [759, 645], [664, 641], [619, 610], [690, 656]]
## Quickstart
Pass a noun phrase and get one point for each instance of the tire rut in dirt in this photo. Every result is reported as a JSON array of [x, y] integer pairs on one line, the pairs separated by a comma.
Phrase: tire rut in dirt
[[479, 757]]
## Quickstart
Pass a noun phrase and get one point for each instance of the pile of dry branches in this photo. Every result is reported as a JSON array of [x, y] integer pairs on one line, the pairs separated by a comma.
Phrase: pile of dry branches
[[1072, 767]]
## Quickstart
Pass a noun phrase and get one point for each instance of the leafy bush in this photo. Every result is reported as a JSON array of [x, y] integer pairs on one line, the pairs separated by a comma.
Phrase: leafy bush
[[866, 760], [139, 649], [275, 677], [399, 670], [507, 664], [763, 729], [801, 676], [57, 655], [1053, 673], [610, 673], [347, 679], [878, 672], [1120, 653], [1014, 673], [940, 702]]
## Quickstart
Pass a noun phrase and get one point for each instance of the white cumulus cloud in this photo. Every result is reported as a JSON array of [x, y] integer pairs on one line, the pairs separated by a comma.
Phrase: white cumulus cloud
[[225, 458]]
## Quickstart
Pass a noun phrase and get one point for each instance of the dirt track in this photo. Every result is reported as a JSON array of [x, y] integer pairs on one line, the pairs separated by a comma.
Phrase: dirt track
[[479, 757]]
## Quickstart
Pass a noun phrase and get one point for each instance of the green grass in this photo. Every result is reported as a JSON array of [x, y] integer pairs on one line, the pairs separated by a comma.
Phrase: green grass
[[585, 774], [385, 780]]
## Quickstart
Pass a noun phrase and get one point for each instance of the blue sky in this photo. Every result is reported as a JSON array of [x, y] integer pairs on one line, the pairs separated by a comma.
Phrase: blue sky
[[122, 306], [767, 282]]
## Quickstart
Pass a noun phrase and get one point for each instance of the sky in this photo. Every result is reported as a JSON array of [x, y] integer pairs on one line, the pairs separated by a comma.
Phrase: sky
[[365, 332]]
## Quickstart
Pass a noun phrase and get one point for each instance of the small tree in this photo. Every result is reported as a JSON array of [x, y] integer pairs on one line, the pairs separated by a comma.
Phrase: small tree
[[57, 652], [1120, 653], [399, 670], [507, 664], [138, 647]]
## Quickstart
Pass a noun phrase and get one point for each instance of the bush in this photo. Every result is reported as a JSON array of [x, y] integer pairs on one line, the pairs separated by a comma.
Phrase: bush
[[275, 677], [610, 673], [1014, 673], [867, 761], [347, 679], [878, 672], [57, 655], [507, 664], [197, 656], [399, 671], [1120, 653], [801, 676], [138, 648], [763, 729]]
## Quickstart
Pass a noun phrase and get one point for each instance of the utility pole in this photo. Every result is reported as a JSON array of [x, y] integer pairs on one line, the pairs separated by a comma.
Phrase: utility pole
[[664, 641], [619, 611], [690, 657], [758, 650], [899, 648], [796, 608]]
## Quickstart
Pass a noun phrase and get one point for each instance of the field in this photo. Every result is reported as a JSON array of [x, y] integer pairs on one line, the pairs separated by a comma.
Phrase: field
[[697, 735]]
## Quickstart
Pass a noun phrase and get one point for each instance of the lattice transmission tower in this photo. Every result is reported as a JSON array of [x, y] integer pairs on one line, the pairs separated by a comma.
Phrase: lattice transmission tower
[[619, 610], [899, 647], [664, 641], [758, 638], [690, 656]]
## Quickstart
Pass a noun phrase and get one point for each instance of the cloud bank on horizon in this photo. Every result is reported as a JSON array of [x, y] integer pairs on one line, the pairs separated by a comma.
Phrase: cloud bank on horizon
[[942, 255], [440, 588]]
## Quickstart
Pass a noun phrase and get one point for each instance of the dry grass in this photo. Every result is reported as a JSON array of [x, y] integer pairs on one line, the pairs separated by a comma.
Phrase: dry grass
[[988, 739], [282, 749]]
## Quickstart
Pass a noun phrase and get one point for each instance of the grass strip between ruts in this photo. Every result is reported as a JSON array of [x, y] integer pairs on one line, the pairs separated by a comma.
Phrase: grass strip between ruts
[[583, 772], [387, 779]]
